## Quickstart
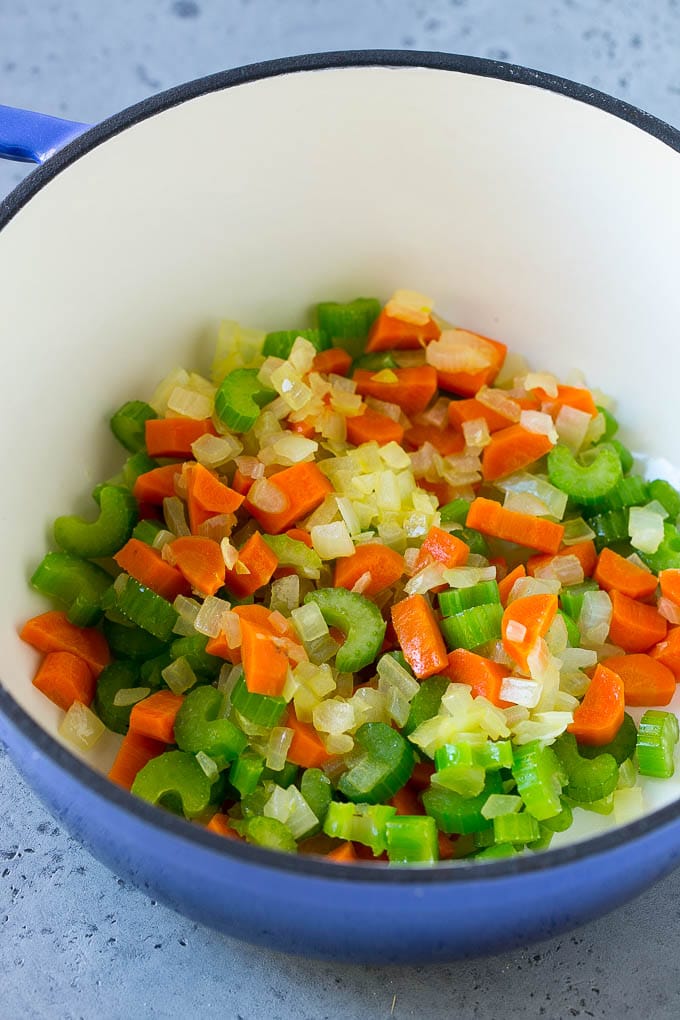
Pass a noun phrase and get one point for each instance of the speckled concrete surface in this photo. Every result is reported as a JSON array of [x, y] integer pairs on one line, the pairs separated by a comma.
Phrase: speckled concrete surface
[[75, 941]]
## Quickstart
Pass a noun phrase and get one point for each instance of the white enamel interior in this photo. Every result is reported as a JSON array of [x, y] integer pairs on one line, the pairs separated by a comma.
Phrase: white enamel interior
[[528, 216]]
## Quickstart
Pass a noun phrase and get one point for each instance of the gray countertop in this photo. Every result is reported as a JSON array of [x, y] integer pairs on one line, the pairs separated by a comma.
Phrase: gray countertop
[[77, 942]]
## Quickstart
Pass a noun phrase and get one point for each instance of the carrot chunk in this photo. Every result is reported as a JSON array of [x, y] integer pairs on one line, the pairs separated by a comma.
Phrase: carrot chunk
[[134, 753], [201, 562], [419, 636], [64, 678], [491, 518], [371, 426], [156, 485], [306, 748], [615, 573], [598, 718], [383, 564], [441, 547], [172, 437], [635, 627], [511, 449], [389, 333], [483, 675], [53, 632], [584, 552], [155, 716], [411, 389], [207, 496], [525, 621], [334, 361], [303, 488], [147, 566], [646, 681], [259, 562]]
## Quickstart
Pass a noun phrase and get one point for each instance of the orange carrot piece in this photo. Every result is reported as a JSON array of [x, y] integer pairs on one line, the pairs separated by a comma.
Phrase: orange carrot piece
[[383, 564], [391, 334], [511, 449], [646, 681], [412, 389], [584, 552], [491, 518], [571, 396], [469, 409], [306, 748], [218, 646], [371, 426], [670, 585], [445, 441], [262, 616], [334, 361], [259, 560], [616, 573], [447, 846], [207, 496], [221, 825], [147, 566], [598, 718], [155, 716], [635, 626], [300, 535], [265, 666], [200, 560], [467, 384], [505, 586], [156, 485], [442, 490], [441, 547], [525, 621], [668, 651], [134, 753], [483, 675], [304, 488], [53, 632], [343, 854], [421, 775], [407, 801], [419, 636], [172, 437], [64, 678], [241, 483]]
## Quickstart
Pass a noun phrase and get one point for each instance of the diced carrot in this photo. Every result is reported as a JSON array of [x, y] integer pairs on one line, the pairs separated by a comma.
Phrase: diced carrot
[[598, 718], [419, 636], [343, 854], [383, 564], [421, 775], [389, 334], [445, 441], [411, 389], [441, 547], [635, 626], [241, 483], [572, 396], [64, 678], [407, 801], [207, 496], [201, 561], [447, 846], [221, 825], [511, 449], [147, 566], [156, 485], [668, 651], [483, 675], [265, 666], [218, 646], [489, 517], [371, 426], [172, 437], [584, 552], [262, 616], [306, 748], [304, 488], [646, 681], [304, 428], [155, 716], [300, 535], [505, 586], [525, 621], [616, 573], [467, 384], [469, 409], [52, 632], [134, 753], [670, 585], [260, 563], [334, 361]]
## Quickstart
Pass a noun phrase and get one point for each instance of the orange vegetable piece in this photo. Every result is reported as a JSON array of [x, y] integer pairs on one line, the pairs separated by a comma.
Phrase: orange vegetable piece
[[371, 426], [64, 678], [419, 636], [670, 585], [572, 396], [646, 681], [201, 562], [155, 716], [334, 361], [511, 449], [445, 441], [635, 626], [383, 564], [584, 552], [147, 566], [469, 409], [505, 586], [616, 573], [525, 621], [306, 748], [483, 675], [491, 518], [300, 535], [407, 801], [221, 825], [304, 487], [265, 666], [260, 561], [207, 496], [467, 384], [412, 388], [134, 753], [343, 854], [391, 334], [53, 632], [441, 547], [598, 718], [172, 437], [241, 483], [668, 651], [156, 485]]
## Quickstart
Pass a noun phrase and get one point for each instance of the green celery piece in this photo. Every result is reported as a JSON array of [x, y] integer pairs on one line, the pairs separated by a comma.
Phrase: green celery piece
[[620, 748], [292, 553], [426, 702], [198, 726], [631, 490], [573, 633], [316, 788], [376, 362], [145, 608], [339, 820], [117, 676], [192, 648], [610, 528], [245, 772], [623, 453], [136, 465], [664, 493], [284, 777], [561, 821], [496, 852], [603, 806], [540, 778], [176, 781], [545, 838], [270, 833], [348, 325], [522, 828], [75, 582], [656, 741], [493, 755], [610, 423], [571, 600], [358, 618], [130, 642], [456, 770], [253, 804], [460, 815], [127, 424], [259, 709], [151, 670], [412, 839], [239, 398], [455, 511], [589, 779], [667, 556], [584, 483], [106, 535], [474, 540], [147, 530], [280, 344], [456, 600], [453, 754], [473, 627], [369, 825], [383, 768], [399, 657]]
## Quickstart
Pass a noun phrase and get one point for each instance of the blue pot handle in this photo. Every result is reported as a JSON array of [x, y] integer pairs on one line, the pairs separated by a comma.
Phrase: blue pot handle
[[29, 137]]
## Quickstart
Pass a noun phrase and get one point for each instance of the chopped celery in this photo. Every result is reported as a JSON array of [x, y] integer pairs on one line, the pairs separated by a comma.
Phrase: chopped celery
[[358, 618], [130, 642], [270, 833], [239, 398], [456, 510], [584, 483], [117, 676], [143, 607], [667, 556], [631, 490], [656, 741], [176, 781], [107, 534], [127, 424], [460, 815], [280, 344], [426, 702], [348, 325], [198, 726], [589, 779], [473, 627], [610, 528], [540, 778], [259, 709], [458, 599], [383, 768], [514, 829], [75, 582], [664, 493], [571, 600], [620, 748], [412, 839]]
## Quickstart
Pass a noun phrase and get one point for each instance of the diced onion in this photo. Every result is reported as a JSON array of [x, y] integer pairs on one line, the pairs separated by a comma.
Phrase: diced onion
[[81, 727], [425, 580], [159, 399], [595, 617], [628, 804], [476, 433], [526, 503], [215, 451], [302, 355], [334, 716], [466, 577], [278, 745], [566, 569], [537, 421], [332, 540], [669, 610], [250, 467], [267, 496], [457, 350], [515, 631], [549, 495], [524, 586], [208, 765], [179, 676], [130, 696], [293, 449], [173, 511], [218, 527], [285, 593], [289, 807], [572, 427], [210, 616], [309, 622], [229, 554], [189, 404], [362, 583], [395, 456], [227, 680], [187, 610], [521, 691], [409, 306], [541, 380], [392, 674], [498, 401], [543, 726], [645, 528], [576, 530], [231, 628]]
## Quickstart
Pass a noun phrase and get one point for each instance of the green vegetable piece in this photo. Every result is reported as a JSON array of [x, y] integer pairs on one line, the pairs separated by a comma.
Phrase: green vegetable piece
[[664, 493], [493, 755], [147, 530], [339, 820], [253, 804], [522, 828], [412, 839], [130, 642], [611, 425], [259, 709], [270, 833], [117, 676], [175, 781], [496, 852], [621, 747], [457, 600], [245, 772], [143, 607], [75, 582], [473, 627], [545, 838], [106, 535], [358, 618], [192, 648], [561, 821], [316, 788], [571, 600], [348, 325], [461, 815], [540, 778], [239, 398], [667, 556], [631, 490], [280, 344], [474, 540], [127, 424], [136, 465], [455, 511], [151, 671], [610, 528], [426, 702], [292, 553], [573, 633], [584, 483], [457, 771], [623, 453], [284, 777], [369, 825], [656, 741], [376, 362], [198, 726], [384, 767], [589, 779]]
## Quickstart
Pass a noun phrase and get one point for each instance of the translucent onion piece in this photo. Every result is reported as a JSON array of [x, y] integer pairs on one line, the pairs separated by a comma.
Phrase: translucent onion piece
[[645, 528], [460, 351], [362, 583], [227, 680], [302, 355], [537, 421], [250, 467], [575, 683], [669, 610], [229, 553], [425, 580], [159, 399], [526, 503], [595, 617], [218, 527], [340, 743], [395, 456], [572, 427], [409, 306], [629, 804], [565, 702], [210, 616], [187, 610], [332, 540], [81, 727], [476, 433], [392, 411], [557, 638], [466, 577], [541, 380], [293, 449], [577, 658], [515, 631], [130, 696], [334, 716], [634, 558], [566, 569], [521, 691], [291, 809], [309, 622], [162, 537], [278, 745], [552, 497], [498, 401], [391, 673], [514, 366], [596, 429], [268, 497], [173, 512], [576, 530], [349, 515], [533, 586], [437, 415], [215, 451], [543, 726], [189, 404], [179, 676]]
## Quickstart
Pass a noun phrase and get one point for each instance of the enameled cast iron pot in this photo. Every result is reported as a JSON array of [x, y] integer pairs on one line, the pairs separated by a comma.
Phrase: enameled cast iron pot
[[531, 209]]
